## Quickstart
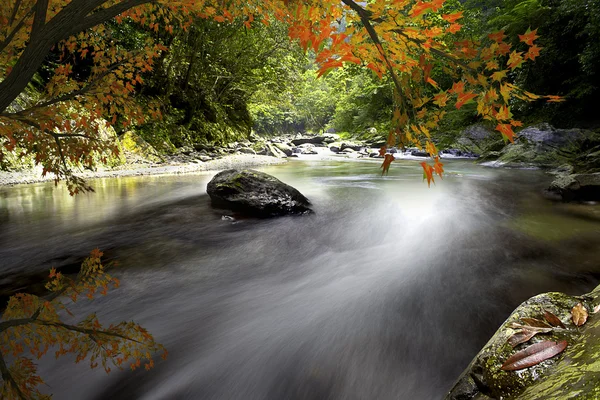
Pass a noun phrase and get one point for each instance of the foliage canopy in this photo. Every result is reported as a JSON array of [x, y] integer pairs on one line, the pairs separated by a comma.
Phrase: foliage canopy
[[403, 38]]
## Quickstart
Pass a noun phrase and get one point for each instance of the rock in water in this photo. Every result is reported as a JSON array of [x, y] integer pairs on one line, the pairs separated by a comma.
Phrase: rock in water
[[577, 187], [256, 194]]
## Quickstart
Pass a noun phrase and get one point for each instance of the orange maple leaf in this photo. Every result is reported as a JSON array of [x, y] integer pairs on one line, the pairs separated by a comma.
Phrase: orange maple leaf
[[419, 8], [386, 163], [497, 36], [438, 167], [507, 132], [503, 114], [515, 60], [453, 17], [427, 173], [503, 49], [440, 99], [529, 37], [457, 87], [464, 98], [533, 52], [432, 83], [555, 99], [454, 28]]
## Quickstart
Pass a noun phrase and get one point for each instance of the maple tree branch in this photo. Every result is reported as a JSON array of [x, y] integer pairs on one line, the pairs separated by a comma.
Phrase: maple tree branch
[[106, 14], [365, 17], [53, 134], [68, 96], [8, 378], [434, 50], [15, 30], [89, 332], [39, 21], [15, 10]]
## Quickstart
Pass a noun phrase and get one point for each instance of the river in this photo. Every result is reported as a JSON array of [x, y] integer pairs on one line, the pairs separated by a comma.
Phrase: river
[[386, 292]]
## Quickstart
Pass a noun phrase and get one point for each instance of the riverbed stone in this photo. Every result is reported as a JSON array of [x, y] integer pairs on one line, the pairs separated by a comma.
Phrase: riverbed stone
[[246, 150], [274, 151], [573, 374], [256, 194], [311, 140], [577, 187], [287, 150]]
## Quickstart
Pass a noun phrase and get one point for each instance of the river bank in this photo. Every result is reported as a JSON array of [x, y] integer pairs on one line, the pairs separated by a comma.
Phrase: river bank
[[10, 178]]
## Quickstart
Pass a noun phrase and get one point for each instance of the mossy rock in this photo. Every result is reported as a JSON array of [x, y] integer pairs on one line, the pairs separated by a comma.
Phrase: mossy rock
[[255, 194], [575, 373]]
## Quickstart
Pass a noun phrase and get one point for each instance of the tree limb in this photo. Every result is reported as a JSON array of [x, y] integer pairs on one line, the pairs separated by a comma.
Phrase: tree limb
[[85, 331], [15, 10], [105, 14], [365, 17], [68, 96], [39, 21], [434, 50], [15, 30], [8, 378]]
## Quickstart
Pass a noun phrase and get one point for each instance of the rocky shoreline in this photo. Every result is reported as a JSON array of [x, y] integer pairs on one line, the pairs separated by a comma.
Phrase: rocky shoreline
[[572, 155], [11, 178]]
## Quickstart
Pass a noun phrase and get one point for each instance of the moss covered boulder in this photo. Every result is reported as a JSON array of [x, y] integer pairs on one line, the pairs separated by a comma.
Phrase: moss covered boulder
[[572, 374], [255, 194]]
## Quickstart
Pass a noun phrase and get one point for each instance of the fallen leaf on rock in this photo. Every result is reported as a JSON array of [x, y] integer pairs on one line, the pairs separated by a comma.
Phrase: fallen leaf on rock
[[536, 322], [579, 314], [533, 355], [521, 337], [518, 326], [596, 309], [553, 319]]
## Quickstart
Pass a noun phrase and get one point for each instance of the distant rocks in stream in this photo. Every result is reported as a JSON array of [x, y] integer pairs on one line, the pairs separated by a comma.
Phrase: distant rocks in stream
[[576, 187], [255, 194]]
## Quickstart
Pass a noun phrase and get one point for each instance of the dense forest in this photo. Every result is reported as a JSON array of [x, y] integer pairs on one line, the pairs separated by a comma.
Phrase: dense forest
[[220, 81]]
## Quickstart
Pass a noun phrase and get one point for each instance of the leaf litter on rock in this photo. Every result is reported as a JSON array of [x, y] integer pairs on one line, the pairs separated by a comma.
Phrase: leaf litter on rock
[[553, 320], [533, 355], [538, 323], [579, 314]]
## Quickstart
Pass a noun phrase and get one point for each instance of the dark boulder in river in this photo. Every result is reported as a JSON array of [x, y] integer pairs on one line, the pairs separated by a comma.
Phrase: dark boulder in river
[[255, 194]]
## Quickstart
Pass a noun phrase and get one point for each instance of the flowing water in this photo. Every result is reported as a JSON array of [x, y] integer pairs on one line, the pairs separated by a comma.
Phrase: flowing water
[[386, 292]]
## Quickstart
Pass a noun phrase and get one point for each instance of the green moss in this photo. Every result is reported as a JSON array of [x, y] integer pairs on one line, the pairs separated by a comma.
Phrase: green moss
[[567, 375], [133, 143]]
